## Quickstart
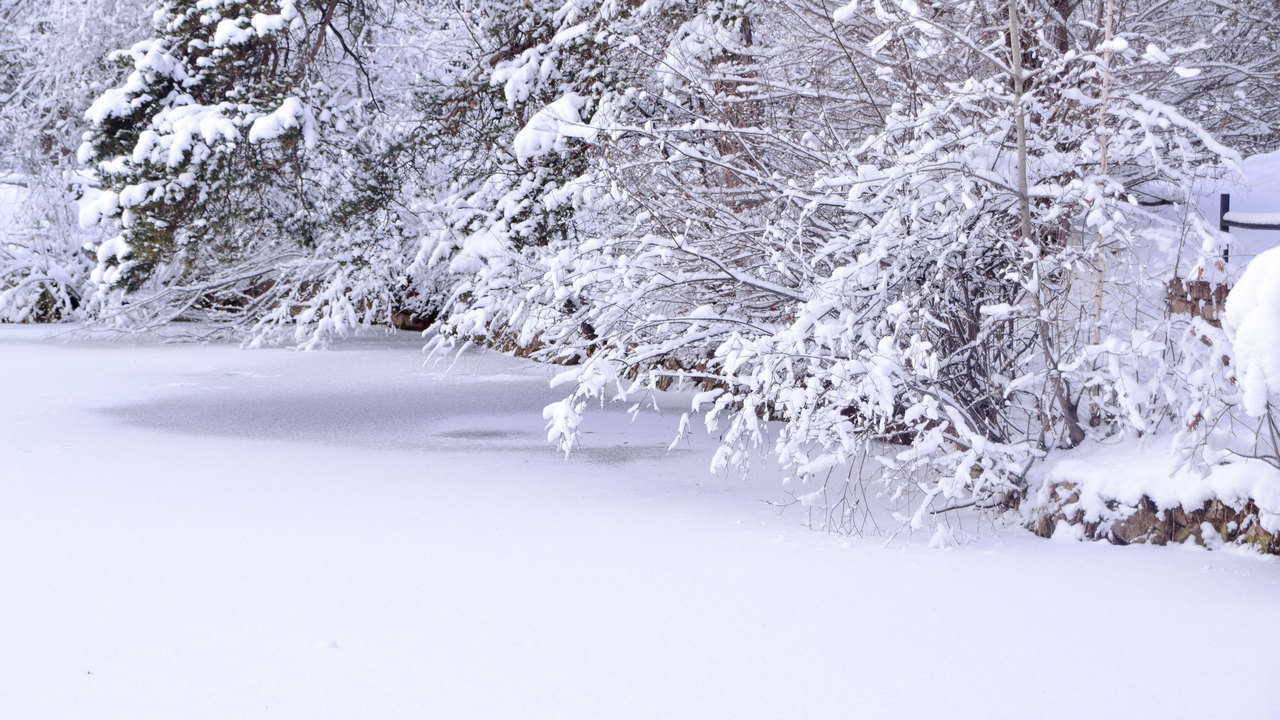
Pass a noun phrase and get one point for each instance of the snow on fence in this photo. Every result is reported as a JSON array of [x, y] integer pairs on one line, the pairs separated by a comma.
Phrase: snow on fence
[[1227, 218], [1203, 299]]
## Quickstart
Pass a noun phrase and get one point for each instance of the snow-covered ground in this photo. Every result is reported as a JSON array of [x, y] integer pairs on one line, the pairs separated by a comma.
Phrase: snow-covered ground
[[203, 532]]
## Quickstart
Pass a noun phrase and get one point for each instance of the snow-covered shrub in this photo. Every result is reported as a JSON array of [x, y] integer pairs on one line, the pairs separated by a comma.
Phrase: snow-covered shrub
[[946, 277], [43, 268], [1232, 377], [50, 69], [1252, 322]]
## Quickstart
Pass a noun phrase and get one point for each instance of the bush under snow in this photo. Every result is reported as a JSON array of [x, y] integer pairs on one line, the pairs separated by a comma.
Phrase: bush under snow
[[1252, 322]]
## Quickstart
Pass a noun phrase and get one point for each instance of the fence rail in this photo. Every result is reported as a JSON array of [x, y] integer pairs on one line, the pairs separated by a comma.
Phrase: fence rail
[[1246, 221]]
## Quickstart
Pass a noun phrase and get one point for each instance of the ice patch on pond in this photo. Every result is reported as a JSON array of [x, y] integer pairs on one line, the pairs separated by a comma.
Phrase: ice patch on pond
[[408, 419]]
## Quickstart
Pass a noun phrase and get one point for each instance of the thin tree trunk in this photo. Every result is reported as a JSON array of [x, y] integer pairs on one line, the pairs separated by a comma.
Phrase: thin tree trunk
[[1095, 412], [1075, 433]]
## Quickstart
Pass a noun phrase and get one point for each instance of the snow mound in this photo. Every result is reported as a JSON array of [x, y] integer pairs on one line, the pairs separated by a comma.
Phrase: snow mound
[[1252, 322]]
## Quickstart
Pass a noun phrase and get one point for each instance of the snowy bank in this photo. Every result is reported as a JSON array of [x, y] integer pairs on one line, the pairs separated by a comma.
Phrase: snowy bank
[[1135, 492], [1149, 490]]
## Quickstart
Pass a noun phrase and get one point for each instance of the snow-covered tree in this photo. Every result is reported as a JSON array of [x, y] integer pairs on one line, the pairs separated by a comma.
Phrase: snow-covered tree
[[520, 148], [51, 66], [244, 173], [1217, 62]]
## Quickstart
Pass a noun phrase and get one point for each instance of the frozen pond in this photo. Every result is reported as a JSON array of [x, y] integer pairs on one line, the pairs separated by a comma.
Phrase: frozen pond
[[204, 532]]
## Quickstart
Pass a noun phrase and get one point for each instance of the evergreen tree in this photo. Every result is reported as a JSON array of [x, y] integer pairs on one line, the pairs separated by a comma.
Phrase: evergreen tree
[[244, 174]]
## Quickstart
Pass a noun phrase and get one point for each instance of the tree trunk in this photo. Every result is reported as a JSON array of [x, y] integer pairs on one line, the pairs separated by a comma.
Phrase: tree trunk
[[1075, 433]]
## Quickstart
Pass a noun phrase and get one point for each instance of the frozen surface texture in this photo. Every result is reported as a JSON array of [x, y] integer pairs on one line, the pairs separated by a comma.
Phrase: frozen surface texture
[[201, 532]]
